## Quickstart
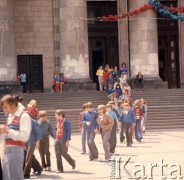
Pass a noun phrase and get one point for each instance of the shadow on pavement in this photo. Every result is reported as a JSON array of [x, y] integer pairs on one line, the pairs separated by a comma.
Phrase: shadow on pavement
[[77, 172], [47, 177]]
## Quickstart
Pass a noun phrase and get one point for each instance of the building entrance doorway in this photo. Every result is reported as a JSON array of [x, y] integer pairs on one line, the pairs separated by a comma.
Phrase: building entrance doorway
[[103, 37], [32, 66], [168, 48]]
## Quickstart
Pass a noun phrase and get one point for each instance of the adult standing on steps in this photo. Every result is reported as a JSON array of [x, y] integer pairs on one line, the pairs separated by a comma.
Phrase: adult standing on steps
[[89, 121], [23, 80], [63, 136], [99, 73]]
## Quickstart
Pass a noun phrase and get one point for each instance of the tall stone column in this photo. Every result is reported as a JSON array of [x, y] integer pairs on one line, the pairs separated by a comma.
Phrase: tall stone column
[[181, 45], [74, 40], [123, 34], [8, 64], [143, 42]]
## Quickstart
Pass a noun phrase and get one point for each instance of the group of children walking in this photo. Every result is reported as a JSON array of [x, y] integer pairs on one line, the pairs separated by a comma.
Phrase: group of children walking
[[129, 118], [28, 129]]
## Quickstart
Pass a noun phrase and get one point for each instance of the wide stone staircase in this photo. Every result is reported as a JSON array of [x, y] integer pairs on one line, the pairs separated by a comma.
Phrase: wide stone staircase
[[165, 106]]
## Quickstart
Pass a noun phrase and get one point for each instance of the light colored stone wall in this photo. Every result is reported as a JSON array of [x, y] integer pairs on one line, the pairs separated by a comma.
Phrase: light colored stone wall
[[181, 46], [143, 41], [8, 68], [74, 39], [34, 33]]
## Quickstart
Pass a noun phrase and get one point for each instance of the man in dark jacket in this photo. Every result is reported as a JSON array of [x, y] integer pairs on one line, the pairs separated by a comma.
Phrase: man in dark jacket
[[62, 138]]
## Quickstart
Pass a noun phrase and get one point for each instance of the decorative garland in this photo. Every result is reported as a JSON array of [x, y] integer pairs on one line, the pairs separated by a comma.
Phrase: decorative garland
[[132, 13], [166, 11], [152, 4]]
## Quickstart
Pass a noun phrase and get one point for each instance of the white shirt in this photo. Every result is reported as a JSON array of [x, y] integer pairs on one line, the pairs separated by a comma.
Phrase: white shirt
[[127, 88], [24, 128]]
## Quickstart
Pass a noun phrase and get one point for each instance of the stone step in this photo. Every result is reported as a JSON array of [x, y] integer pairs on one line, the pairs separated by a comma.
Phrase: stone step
[[165, 107]]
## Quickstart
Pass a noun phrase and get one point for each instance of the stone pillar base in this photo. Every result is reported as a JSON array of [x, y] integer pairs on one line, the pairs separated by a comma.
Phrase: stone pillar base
[[10, 87], [150, 83]]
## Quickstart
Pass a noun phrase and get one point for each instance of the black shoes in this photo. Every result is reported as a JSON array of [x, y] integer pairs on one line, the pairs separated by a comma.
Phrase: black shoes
[[74, 164], [38, 173], [93, 159], [26, 176], [129, 145]]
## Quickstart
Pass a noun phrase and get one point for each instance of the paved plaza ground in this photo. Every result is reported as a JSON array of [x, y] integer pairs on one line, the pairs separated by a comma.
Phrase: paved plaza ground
[[166, 145]]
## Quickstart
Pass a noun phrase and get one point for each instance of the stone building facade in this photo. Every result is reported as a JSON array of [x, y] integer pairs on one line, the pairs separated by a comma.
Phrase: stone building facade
[[58, 32]]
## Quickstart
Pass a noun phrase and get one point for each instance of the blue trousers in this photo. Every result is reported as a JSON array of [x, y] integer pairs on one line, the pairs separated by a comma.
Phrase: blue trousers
[[138, 133], [93, 151], [12, 163], [122, 137], [83, 139]]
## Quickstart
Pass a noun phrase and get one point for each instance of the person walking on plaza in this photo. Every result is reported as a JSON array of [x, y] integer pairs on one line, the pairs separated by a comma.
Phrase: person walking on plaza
[[105, 123], [145, 110], [138, 116], [83, 130], [32, 144], [63, 136], [113, 138], [120, 111], [89, 121], [23, 80], [46, 130], [128, 119], [99, 73], [16, 133]]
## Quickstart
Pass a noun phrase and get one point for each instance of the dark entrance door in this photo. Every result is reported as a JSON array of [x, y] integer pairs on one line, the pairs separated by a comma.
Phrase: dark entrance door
[[32, 66], [103, 37], [98, 60], [168, 48]]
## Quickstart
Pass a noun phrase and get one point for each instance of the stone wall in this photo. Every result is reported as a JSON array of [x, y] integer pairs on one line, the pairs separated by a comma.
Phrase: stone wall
[[34, 33], [8, 67]]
